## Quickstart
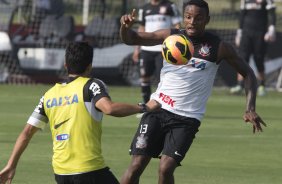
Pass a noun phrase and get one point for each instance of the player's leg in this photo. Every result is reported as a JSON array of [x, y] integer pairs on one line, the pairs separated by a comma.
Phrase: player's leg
[[180, 133], [158, 64], [147, 143], [245, 51], [135, 169], [166, 170], [147, 68], [260, 47]]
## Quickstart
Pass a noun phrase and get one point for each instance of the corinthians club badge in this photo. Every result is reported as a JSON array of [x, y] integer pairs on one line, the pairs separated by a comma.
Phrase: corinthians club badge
[[205, 50], [141, 141]]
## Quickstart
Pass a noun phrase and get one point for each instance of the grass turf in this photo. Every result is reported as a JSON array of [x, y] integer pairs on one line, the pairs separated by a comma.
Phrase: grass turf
[[225, 150]]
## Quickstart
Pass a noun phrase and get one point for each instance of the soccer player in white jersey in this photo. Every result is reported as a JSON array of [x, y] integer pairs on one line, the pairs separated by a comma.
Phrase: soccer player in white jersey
[[183, 93], [74, 110], [257, 22], [154, 15]]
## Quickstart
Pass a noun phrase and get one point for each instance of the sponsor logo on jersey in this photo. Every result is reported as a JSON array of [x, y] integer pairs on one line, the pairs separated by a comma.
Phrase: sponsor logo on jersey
[[95, 88], [62, 101], [167, 99], [56, 126], [62, 137], [141, 141], [205, 50], [155, 19], [197, 63], [253, 6]]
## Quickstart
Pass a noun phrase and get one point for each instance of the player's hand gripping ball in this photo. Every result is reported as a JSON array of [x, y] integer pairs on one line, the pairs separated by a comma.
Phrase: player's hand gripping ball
[[177, 49]]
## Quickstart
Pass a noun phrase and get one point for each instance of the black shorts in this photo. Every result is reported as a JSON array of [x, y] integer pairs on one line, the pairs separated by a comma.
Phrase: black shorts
[[102, 176], [150, 62], [165, 133]]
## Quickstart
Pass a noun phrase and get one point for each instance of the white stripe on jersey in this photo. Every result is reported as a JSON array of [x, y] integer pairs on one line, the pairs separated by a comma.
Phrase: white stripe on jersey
[[156, 22], [184, 90]]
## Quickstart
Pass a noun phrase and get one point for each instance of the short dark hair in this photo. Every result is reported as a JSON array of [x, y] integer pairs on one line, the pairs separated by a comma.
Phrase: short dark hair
[[78, 56], [199, 3]]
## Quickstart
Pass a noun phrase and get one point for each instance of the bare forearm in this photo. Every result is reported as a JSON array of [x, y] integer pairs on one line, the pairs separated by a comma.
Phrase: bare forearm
[[251, 90], [127, 35], [19, 148], [122, 109], [21, 144]]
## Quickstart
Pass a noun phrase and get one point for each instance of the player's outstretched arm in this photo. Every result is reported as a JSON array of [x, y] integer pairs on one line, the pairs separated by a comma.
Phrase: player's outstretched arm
[[227, 53], [131, 37], [7, 174], [118, 109]]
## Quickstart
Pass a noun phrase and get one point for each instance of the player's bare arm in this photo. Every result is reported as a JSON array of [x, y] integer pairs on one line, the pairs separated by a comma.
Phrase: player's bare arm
[[131, 37], [122, 109], [227, 53], [7, 174]]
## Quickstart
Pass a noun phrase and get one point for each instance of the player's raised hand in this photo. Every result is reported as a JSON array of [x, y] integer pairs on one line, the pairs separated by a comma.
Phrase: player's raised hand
[[255, 119], [128, 19]]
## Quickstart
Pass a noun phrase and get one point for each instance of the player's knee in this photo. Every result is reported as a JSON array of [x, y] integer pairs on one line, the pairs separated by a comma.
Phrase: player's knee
[[260, 66], [138, 165], [167, 167]]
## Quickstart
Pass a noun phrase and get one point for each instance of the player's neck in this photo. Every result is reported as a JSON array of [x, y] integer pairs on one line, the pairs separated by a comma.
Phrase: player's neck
[[73, 75]]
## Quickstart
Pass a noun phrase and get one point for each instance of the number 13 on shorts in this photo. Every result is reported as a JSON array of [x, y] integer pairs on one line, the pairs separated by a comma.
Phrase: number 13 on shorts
[[143, 128]]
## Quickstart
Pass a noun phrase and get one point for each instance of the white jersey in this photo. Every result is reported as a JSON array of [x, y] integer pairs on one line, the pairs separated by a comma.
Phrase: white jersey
[[184, 90]]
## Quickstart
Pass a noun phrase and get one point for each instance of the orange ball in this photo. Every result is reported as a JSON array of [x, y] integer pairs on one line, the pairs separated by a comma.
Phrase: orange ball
[[177, 49]]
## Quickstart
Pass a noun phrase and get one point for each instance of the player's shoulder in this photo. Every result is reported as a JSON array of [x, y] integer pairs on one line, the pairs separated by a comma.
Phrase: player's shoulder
[[96, 82]]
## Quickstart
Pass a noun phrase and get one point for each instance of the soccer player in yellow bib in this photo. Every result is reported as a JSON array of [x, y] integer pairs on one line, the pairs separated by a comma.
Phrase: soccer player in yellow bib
[[74, 110]]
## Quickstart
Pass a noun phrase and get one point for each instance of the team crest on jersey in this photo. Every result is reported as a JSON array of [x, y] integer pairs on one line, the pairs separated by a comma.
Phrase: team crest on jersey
[[205, 50], [162, 10], [141, 141]]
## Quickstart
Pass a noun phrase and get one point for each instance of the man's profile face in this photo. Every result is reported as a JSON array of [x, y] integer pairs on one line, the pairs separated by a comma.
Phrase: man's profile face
[[195, 20]]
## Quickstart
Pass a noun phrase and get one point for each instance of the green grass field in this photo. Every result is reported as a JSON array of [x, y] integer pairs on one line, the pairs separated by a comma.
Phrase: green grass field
[[224, 152]]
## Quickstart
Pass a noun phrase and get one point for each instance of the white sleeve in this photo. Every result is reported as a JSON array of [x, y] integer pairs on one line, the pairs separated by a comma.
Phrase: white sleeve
[[37, 120]]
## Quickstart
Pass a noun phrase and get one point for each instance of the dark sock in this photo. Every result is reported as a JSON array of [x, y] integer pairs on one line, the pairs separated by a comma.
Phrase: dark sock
[[261, 83]]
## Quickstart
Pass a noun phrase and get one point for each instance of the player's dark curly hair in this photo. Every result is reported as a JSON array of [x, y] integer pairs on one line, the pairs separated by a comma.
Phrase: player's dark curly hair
[[199, 3], [78, 56]]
